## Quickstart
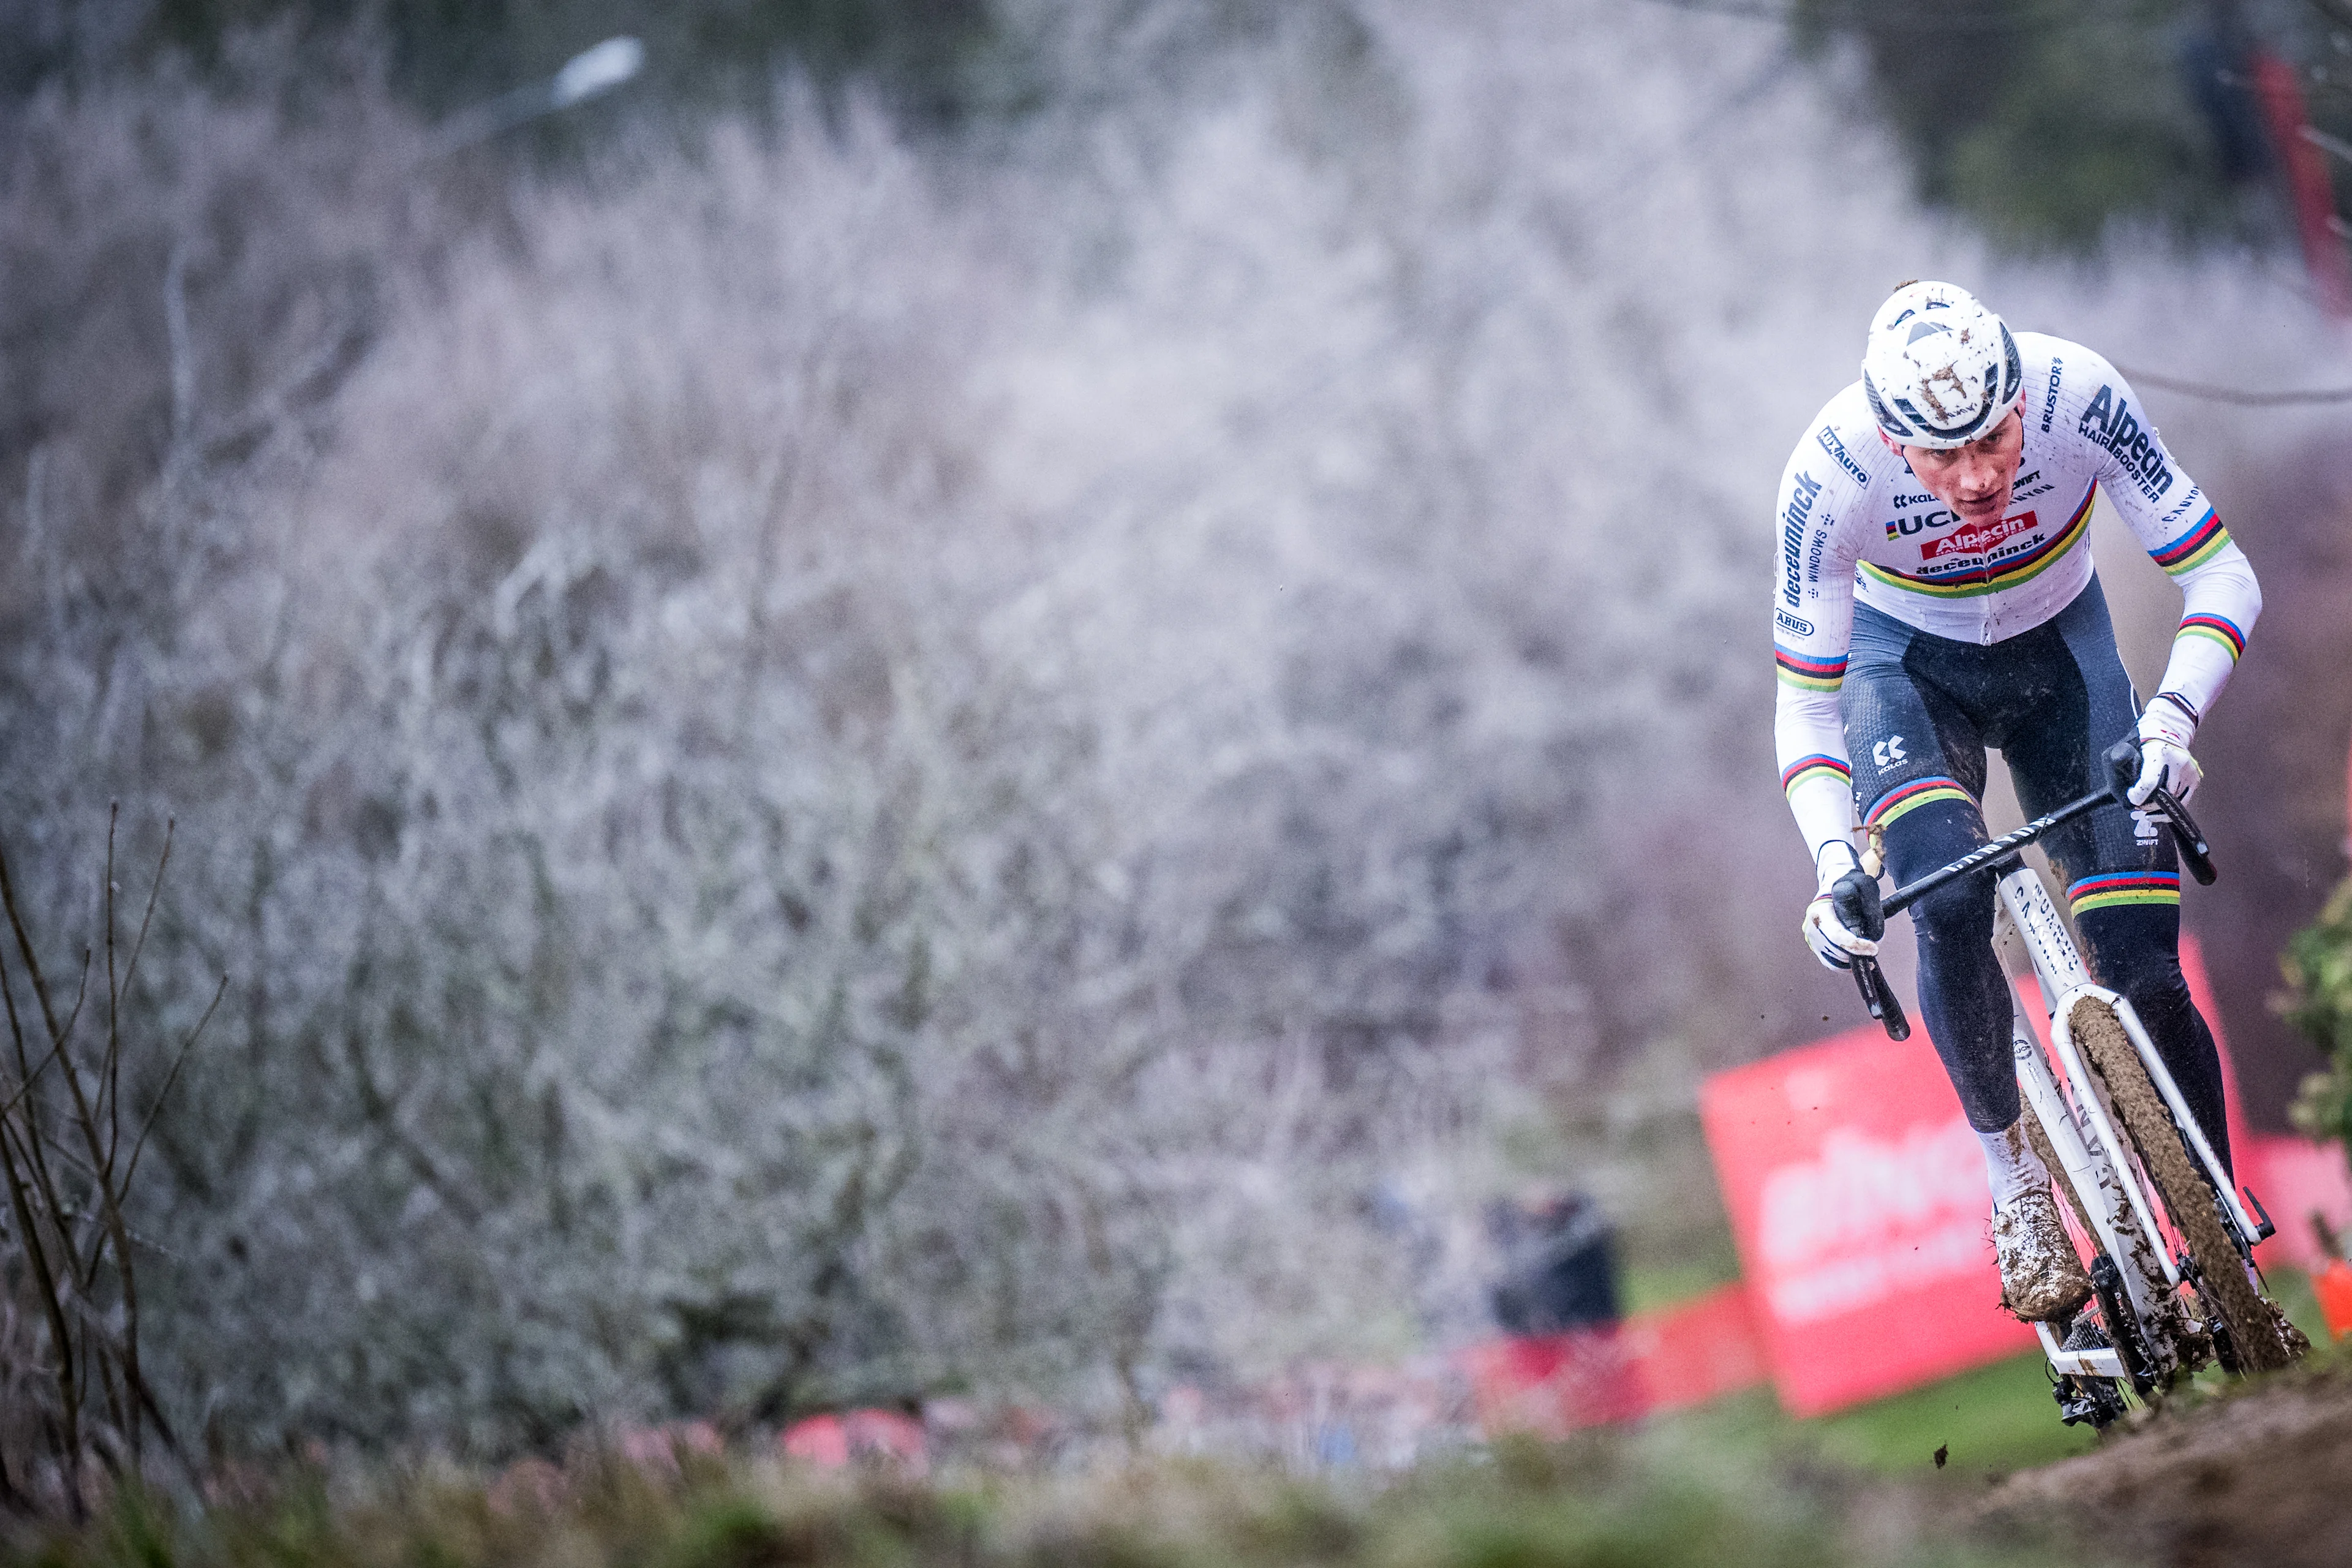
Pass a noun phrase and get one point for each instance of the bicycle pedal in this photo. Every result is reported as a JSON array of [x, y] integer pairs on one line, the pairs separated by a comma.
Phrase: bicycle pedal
[[2083, 1400]]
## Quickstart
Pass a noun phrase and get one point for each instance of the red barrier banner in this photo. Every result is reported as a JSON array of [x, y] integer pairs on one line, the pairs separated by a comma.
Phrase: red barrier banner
[[1857, 1199], [1695, 1351], [1681, 1355]]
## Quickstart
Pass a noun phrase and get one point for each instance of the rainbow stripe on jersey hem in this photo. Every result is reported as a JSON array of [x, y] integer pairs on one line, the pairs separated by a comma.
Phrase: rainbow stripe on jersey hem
[[2114, 889], [1821, 764], [2220, 628], [2012, 574], [2203, 541], [1907, 798], [1807, 673]]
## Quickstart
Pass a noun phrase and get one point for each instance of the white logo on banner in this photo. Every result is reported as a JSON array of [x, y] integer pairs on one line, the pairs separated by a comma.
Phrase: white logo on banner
[[1871, 1218]]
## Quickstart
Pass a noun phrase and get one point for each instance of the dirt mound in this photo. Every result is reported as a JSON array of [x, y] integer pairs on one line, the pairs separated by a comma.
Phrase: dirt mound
[[2259, 1476]]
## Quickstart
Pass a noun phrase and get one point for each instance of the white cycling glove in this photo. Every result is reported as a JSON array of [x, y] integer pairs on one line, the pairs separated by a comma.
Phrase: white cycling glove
[[1835, 946], [2165, 730]]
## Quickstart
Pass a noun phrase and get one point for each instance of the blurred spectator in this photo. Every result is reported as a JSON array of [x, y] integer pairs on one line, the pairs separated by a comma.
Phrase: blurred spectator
[[1558, 1264]]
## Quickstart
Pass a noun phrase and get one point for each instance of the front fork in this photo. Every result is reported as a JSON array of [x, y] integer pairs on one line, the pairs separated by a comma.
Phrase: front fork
[[2120, 1232], [2084, 1139]]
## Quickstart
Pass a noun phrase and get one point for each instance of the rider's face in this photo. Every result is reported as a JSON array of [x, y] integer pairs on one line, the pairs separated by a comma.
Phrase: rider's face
[[1974, 480]]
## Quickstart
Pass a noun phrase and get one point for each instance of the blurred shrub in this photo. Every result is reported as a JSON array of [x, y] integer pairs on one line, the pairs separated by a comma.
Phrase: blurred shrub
[[714, 931], [2319, 968], [2045, 125], [1660, 1506]]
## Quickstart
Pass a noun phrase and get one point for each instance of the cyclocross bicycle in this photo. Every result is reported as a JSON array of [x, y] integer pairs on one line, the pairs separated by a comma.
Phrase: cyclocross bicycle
[[2171, 1245]]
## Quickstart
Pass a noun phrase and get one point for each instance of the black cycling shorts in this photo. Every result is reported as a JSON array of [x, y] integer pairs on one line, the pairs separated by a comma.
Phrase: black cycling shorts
[[1920, 711]]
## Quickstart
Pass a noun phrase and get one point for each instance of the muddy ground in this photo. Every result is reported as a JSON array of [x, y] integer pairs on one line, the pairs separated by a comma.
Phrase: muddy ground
[[2259, 1476]]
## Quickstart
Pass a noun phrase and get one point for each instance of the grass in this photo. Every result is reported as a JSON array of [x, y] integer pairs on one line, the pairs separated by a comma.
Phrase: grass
[[1994, 1418], [1737, 1482], [1991, 1419], [1648, 1284], [1655, 1500]]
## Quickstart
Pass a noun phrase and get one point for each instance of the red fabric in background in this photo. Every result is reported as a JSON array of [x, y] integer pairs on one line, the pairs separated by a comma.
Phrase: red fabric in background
[[2309, 187], [1857, 1199]]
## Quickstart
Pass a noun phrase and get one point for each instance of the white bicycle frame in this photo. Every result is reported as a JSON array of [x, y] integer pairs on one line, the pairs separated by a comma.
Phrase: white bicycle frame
[[2083, 1128]]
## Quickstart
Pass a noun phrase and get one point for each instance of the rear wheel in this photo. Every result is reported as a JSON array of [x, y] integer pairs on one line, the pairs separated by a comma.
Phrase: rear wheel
[[2231, 1300]]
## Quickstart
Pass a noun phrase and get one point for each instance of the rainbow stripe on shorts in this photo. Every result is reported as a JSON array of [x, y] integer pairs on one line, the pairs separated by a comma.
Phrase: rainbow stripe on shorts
[[2114, 889], [1907, 798]]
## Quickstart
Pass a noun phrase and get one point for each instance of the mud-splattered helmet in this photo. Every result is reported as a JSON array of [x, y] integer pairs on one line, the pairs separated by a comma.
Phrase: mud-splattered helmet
[[1939, 370]]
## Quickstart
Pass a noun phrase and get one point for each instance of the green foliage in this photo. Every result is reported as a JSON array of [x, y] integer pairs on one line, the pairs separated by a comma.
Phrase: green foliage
[[2043, 124], [1605, 1502], [2319, 968]]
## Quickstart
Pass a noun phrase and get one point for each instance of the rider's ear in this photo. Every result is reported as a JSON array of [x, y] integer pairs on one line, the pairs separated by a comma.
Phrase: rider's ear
[[1892, 444]]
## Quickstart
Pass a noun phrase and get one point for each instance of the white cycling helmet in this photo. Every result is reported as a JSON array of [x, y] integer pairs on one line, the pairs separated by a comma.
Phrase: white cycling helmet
[[1939, 370]]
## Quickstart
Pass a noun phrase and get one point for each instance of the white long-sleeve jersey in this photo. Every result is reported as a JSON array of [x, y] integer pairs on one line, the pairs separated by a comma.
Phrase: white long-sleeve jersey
[[1853, 520]]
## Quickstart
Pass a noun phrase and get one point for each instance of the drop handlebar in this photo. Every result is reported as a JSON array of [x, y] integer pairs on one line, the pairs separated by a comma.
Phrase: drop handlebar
[[1864, 911]]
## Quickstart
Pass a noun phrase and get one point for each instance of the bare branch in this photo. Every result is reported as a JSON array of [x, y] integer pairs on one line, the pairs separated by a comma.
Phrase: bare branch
[[178, 1058]]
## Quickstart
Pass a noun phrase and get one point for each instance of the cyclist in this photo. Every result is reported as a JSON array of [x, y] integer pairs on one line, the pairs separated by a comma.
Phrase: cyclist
[[1934, 596]]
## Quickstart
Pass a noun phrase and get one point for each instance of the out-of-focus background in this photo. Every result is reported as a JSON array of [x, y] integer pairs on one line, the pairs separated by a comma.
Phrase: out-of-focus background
[[1022, 701]]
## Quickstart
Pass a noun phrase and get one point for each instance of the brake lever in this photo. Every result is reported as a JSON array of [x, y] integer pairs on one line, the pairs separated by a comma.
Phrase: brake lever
[[1861, 910], [1879, 997], [2195, 852], [2123, 771]]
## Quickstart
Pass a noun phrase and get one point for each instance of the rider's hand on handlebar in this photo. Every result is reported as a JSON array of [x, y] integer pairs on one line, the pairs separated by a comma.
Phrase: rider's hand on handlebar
[[2165, 731], [1831, 942]]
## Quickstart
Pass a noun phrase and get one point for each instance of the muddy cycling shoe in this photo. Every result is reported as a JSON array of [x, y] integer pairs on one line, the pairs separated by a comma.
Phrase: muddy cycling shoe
[[2040, 1277]]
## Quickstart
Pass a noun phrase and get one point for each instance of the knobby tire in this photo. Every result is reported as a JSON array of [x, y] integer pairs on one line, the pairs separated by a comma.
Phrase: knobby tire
[[2191, 1201]]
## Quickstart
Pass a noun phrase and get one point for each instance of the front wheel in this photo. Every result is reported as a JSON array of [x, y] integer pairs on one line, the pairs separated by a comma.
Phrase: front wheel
[[2231, 1300]]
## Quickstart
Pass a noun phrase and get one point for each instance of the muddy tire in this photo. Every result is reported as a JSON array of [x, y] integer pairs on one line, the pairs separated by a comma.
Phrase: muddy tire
[[2194, 1209]]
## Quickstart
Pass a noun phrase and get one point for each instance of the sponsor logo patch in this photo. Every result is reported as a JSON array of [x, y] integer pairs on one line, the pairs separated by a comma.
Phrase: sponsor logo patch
[[1920, 522], [1788, 622], [2109, 422], [1792, 532], [1978, 538], [1836, 448]]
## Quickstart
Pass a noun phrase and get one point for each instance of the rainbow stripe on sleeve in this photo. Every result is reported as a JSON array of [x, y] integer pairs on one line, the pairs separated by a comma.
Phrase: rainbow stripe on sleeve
[[1907, 798], [2204, 540], [2220, 628], [1821, 764], [1807, 673], [2114, 889]]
